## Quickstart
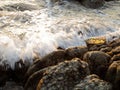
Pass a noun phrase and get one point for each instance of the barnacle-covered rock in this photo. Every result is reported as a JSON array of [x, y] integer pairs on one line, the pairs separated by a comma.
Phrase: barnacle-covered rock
[[93, 82], [64, 76]]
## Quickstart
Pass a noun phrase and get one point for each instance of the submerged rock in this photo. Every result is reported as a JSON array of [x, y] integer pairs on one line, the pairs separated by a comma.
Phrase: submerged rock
[[98, 62], [93, 82], [18, 7], [64, 76], [93, 3]]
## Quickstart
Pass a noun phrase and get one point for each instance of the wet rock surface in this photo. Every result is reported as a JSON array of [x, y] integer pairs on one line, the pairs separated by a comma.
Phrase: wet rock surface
[[93, 3], [58, 65], [10, 85], [64, 75], [98, 62], [113, 74], [93, 82]]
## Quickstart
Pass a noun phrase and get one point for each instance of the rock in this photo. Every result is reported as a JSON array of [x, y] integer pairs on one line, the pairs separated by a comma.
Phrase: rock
[[18, 7], [76, 52], [10, 85], [49, 60], [114, 43], [93, 3], [64, 76], [115, 51], [19, 71], [33, 80], [95, 44], [93, 48], [113, 75], [98, 62], [115, 58], [5, 73], [96, 41], [106, 49], [93, 82]]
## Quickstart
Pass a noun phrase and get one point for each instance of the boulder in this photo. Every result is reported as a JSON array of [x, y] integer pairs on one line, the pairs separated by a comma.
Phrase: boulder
[[33, 80], [98, 62], [113, 75], [106, 49], [49, 60], [93, 82], [95, 44], [115, 51], [93, 3], [114, 43], [5, 73], [115, 58], [19, 71], [77, 52], [64, 76]]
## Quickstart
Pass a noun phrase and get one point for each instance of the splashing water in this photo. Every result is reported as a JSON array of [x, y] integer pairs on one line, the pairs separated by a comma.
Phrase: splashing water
[[29, 34]]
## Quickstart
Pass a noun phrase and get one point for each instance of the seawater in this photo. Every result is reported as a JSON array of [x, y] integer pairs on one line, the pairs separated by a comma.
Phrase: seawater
[[25, 35]]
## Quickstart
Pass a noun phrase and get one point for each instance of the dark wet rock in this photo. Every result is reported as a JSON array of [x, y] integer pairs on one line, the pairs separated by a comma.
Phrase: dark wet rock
[[93, 82], [18, 7], [76, 52], [49, 60], [19, 71], [98, 62], [106, 49], [115, 58], [93, 48], [5, 73], [114, 43], [115, 51], [113, 74], [93, 3], [64, 76], [33, 80], [10, 85]]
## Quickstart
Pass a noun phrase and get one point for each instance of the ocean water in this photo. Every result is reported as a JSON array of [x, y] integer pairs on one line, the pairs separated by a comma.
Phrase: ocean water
[[29, 34]]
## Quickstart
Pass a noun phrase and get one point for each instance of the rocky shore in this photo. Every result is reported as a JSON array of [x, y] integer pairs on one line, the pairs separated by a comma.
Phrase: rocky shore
[[78, 68], [26, 64]]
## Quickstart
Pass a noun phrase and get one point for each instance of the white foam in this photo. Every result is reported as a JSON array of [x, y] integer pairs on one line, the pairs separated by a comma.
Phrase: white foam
[[42, 33], [9, 54]]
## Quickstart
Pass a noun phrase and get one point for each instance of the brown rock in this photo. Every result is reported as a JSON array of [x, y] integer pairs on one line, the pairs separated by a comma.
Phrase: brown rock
[[116, 50], [64, 75], [77, 52], [49, 60], [115, 58], [93, 82], [113, 74], [33, 80], [98, 62]]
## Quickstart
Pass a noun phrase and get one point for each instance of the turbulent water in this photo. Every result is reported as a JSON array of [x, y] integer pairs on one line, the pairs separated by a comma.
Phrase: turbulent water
[[33, 28], [37, 31]]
